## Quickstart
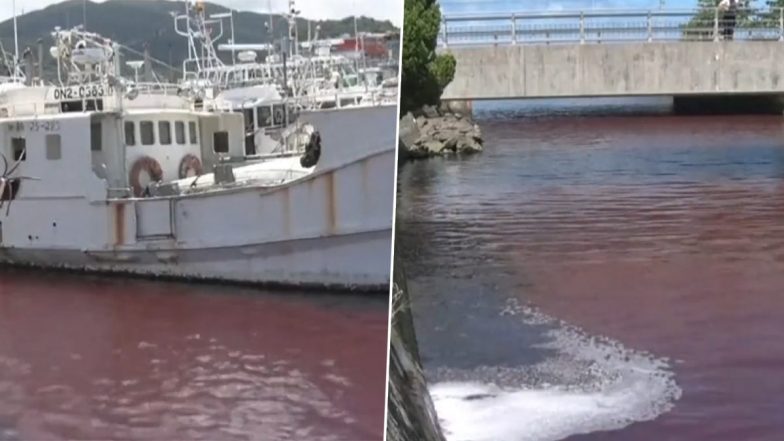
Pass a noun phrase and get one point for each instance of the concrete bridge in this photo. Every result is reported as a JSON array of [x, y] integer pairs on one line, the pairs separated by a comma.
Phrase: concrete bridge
[[614, 54]]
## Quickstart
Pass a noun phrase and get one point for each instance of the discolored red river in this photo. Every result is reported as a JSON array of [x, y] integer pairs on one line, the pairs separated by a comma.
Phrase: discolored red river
[[664, 234], [95, 358]]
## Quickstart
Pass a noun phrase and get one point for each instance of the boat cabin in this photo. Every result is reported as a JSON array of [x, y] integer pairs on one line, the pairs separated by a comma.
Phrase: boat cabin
[[113, 153]]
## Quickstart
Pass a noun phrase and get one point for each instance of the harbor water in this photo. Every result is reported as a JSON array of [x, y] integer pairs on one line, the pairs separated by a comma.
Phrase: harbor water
[[602, 272], [85, 357]]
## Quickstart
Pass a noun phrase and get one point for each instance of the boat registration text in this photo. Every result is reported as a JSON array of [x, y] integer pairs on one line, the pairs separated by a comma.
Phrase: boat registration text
[[80, 92]]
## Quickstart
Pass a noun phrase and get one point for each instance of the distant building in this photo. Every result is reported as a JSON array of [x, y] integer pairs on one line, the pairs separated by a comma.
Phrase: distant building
[[371, 49], [393, 46], [374, 47]]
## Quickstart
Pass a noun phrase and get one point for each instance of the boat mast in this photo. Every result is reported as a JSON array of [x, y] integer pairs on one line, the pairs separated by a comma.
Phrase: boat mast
[[293, 31], [201, 41]]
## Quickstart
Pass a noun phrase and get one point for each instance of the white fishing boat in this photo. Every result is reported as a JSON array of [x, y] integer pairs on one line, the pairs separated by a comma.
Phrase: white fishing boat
[[98, 176], [273, 93]]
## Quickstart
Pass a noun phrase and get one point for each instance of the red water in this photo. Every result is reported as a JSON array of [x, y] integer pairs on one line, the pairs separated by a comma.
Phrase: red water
[[664, 233], [677, 250], [92, 358]]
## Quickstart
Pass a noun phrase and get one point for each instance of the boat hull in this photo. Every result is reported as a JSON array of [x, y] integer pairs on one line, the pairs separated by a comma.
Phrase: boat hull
[[352, 262]]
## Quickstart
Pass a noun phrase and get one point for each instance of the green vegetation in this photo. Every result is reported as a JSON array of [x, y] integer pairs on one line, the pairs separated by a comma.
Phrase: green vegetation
[[425, 74], [773, 16], [701, 26]]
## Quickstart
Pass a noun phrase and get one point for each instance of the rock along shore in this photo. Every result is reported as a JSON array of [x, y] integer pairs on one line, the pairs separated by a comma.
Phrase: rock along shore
[[438, 132]]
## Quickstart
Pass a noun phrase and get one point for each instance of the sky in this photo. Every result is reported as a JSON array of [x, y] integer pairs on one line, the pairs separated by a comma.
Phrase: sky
[[488, 6], [316, 9], [393, 9]]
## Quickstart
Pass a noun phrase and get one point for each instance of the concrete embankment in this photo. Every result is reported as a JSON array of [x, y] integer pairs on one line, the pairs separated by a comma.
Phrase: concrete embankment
[[437, 131], [411, 415]]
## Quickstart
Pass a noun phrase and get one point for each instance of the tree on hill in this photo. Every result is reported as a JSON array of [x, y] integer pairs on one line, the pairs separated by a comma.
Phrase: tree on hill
[[424, 74], [773, 16], [702, 25], [774, 4]]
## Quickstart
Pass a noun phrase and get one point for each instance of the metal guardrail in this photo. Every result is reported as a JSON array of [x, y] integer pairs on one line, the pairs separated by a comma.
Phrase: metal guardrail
[[611, 26]]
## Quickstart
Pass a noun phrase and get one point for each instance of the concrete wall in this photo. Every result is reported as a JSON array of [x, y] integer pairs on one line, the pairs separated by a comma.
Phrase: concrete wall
[[618, 69], [411, 415]]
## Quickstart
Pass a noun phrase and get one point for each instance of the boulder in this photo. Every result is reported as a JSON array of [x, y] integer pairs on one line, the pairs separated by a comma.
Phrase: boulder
[[409, 131], [433, 147], [430, 112], [469, 146], [435, 133], [452, 144]]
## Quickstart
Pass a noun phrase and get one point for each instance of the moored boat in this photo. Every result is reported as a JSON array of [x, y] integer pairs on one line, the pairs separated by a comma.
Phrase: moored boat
[[99, 176]]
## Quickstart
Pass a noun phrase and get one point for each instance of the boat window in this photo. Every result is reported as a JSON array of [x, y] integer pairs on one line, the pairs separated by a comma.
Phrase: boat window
[[248, 119], [221, 142], [264, 116], [96, 140], [93, 105], [250, 145], [293, 114], [147, 132], [194, 137], [53, 150], [279, 114], [71, 106], [19, 148], [130, 133], [164, 132], [179, 132], [348, 102]]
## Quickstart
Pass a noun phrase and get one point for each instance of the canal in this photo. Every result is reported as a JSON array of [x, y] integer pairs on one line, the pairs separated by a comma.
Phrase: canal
[[85, 357], [602, 272]]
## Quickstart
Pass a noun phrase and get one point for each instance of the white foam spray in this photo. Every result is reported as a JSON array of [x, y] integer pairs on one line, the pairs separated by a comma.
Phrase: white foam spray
[[620, 387]]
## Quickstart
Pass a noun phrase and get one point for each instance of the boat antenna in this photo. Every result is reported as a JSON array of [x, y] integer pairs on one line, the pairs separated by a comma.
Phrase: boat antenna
[[293, 31], [271, 21], [356, 30], [16, 43], [357, 57]]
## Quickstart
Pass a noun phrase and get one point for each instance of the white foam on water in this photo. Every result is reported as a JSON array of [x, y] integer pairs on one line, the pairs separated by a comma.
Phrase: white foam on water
[[625, 386]]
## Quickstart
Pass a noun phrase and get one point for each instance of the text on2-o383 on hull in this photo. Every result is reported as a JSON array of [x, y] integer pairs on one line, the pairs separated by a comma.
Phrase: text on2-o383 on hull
[[81, 92]]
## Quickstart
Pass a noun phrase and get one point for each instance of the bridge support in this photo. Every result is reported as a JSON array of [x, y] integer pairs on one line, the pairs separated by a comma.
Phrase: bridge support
[[729, 105], [686, 68]]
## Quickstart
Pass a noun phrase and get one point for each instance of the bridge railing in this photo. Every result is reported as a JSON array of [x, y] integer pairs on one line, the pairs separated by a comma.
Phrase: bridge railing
[[611, 26]]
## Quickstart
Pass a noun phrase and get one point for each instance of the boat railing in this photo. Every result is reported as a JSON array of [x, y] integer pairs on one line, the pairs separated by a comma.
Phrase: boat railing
[[280, 175], [25, 109], [119, 193], [155, 88], [270, 178], [106, 103], [5, 79]]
